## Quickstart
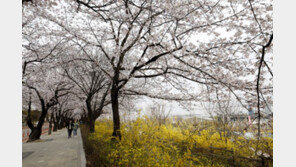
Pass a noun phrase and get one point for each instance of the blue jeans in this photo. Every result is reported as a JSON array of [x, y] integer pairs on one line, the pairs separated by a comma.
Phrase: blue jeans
[[75, 132]]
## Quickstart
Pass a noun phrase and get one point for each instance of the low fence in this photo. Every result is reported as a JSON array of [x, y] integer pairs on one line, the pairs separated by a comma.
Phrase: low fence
[[26, 131]]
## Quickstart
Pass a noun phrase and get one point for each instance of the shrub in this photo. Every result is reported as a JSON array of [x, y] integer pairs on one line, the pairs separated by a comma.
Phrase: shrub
[[146, 143]]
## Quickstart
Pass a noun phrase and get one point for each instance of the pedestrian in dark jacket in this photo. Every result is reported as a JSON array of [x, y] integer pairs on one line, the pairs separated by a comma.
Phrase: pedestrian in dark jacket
[[70, 128]]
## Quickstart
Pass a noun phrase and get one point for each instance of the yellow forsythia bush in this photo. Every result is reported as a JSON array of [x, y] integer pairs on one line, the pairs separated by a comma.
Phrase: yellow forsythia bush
[[146, 143]]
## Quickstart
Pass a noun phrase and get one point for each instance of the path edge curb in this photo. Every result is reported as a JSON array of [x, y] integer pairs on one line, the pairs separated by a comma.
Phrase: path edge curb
[[82, 153]]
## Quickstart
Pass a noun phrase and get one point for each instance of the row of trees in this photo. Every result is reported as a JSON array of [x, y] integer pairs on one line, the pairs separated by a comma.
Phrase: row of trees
[[96, 53]]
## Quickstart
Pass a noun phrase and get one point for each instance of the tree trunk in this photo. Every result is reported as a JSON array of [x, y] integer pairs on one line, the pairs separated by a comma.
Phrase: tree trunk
[[91, 125], [55, 123], [35, 134], [62, 122], [49, 128], [91, 122], [50, 124], [55, 127], [115, 112], [29, 121], [90, 113], [36, 131]]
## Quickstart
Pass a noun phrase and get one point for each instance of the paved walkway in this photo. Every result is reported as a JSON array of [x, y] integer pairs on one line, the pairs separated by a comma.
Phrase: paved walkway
[[54, 150]]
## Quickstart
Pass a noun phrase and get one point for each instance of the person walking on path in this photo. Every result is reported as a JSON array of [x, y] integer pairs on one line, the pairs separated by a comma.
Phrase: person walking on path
[[75, 128], [70, 128]]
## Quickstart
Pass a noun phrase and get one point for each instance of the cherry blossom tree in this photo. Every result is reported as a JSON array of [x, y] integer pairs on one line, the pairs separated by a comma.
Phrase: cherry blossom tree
[[65, 108], [47, 99], [144, 46], [42, 84], [92, 87], [146, 39]]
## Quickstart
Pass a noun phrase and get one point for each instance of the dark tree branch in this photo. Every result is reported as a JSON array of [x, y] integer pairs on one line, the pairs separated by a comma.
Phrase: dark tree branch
[[258, 81]]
